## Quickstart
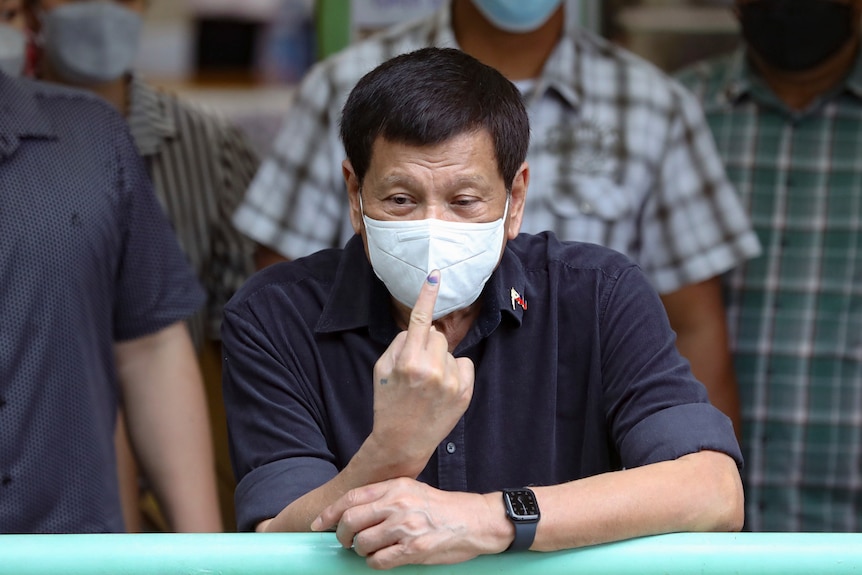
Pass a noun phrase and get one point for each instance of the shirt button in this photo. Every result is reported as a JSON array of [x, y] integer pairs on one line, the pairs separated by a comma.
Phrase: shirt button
[[450, 447], [6, 480], [2, 402], [586, 208]]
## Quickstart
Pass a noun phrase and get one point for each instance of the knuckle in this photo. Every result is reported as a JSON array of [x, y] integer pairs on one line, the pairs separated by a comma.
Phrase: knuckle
[[351, 498], [420, 317], [419, 547], [348, 516]]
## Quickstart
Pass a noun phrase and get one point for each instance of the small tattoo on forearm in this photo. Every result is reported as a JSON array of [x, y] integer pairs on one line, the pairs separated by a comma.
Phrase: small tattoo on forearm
[[383, 381]]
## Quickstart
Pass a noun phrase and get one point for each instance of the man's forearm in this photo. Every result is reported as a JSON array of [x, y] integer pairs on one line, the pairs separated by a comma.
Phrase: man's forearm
[[167, 418], [698, 492], [371, 464]]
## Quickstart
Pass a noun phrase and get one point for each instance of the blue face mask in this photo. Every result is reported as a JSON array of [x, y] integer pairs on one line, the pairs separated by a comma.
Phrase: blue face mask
[[91, 42], [518, 16]]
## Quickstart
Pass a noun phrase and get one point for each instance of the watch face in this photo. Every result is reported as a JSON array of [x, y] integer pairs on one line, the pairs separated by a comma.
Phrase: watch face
[[522, 505]]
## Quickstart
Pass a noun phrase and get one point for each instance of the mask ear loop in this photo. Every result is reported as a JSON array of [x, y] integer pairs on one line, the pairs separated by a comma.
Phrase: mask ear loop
[[361, 208]]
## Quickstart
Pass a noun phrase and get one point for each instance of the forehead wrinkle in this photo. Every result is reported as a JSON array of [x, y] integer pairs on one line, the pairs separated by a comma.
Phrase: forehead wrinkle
[[458, 182]]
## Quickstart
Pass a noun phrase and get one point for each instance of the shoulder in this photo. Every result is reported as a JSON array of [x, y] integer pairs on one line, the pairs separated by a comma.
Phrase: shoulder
[[600, 59], [207, 133], [187, 114], [287, 281], [708, 78], [343, 69], [85, 127], [72, 107], [544, 251]]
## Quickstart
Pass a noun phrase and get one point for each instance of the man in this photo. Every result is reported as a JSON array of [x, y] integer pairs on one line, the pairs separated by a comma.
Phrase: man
[[200, 164], [786, 111], [523, 362], [13, 43], [622, 158], [95, 293]]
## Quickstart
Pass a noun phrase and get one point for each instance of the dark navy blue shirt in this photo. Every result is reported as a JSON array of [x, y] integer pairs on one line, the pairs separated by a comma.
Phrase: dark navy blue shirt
[[87, 258], [583, 379]]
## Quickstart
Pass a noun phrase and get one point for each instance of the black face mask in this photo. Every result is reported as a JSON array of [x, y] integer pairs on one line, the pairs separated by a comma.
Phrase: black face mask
[[796, 35]]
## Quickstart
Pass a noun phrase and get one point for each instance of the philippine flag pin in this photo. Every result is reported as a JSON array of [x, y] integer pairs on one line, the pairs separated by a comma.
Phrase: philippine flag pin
[[517, 299]]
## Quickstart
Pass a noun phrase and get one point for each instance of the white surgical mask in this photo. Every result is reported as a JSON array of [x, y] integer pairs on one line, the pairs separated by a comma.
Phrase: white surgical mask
[[403, 253], [13, 47], [518, 16], [91, 42]]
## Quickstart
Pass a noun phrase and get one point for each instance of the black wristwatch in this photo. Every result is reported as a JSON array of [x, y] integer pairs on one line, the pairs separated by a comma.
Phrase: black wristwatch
[[523, 510]]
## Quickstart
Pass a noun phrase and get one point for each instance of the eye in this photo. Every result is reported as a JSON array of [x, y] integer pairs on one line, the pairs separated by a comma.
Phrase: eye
[[464, 202]]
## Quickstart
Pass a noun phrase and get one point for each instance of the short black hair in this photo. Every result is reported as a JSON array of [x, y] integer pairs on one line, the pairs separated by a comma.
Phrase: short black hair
[[429, 96]]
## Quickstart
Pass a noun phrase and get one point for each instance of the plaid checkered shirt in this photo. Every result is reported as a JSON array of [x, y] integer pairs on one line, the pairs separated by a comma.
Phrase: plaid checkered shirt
[[620, 155], [795, 314]]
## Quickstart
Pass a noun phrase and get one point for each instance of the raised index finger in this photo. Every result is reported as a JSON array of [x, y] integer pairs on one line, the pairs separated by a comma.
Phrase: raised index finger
[[423, 312]]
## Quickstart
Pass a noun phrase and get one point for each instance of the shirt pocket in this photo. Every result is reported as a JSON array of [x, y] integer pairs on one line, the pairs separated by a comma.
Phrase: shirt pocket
[[590, 196]]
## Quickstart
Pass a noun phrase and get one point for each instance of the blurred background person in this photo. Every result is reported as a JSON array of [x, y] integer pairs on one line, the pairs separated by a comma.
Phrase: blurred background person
[[786, 112], [199, 163], [13, 41], [621, 153], [95, 294]]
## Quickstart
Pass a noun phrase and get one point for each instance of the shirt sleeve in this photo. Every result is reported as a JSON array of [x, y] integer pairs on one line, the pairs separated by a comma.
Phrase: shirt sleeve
[[695, 227], [274, 414], [656, 409], [156, 285], [296, 202]]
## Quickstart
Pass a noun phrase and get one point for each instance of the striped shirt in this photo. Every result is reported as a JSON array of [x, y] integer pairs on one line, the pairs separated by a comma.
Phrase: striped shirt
[[795, 314], [620, 155], [200, 166]]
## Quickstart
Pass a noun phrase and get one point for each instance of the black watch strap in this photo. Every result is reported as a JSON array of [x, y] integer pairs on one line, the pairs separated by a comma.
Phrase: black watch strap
[[522, 509], [525, 533]]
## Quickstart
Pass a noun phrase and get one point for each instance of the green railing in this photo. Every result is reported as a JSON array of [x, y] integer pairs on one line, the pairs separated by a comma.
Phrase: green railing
[[320, 554]]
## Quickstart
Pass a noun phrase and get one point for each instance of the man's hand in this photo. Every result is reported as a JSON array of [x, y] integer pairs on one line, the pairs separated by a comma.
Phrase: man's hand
[[403, 521], [420, 389]]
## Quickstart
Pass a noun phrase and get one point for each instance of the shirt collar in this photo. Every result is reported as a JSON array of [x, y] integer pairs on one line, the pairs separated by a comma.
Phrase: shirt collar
[[740, 80], [359, 299], [20, 114], [150, 121], [561, 72], [737, 78]]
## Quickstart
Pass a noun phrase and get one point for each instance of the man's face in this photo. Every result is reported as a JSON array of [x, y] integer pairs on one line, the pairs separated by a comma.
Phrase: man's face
[[799, 37], [457, 181], [12, 14], [78, 48]]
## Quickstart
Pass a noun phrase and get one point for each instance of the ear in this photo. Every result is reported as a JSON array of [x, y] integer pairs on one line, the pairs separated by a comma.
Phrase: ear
[[517, 201], [353, 187]]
